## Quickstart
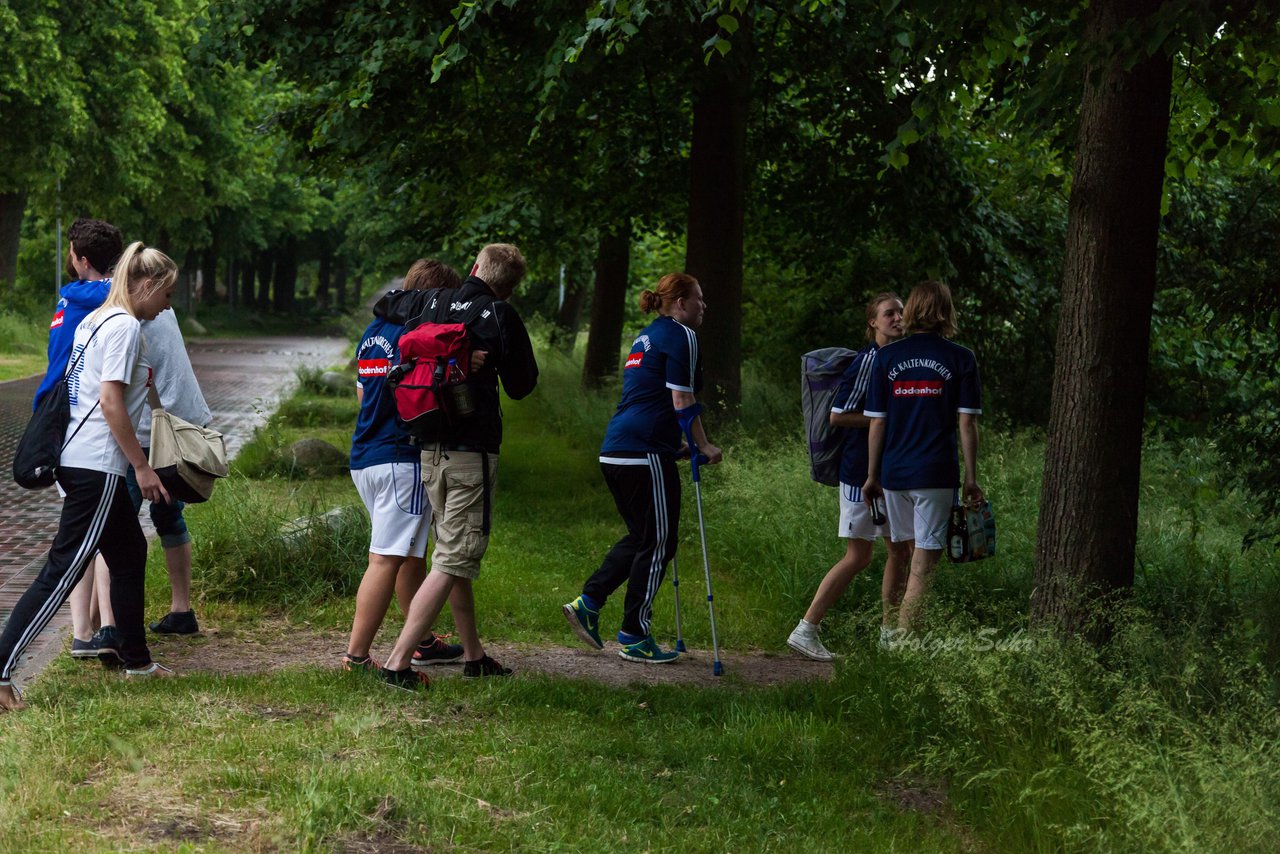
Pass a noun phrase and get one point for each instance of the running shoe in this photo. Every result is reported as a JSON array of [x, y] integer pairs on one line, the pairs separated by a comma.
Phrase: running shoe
[[584, 621], [406, 680], [647, 651], [484, 667], [436, 651]]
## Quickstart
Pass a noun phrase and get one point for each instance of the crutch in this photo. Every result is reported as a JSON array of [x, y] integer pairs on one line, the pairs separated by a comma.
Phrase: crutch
[[675, 584], [686, 417]]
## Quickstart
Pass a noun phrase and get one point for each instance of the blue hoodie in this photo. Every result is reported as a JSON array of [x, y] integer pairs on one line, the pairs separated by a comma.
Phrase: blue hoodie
[[79, 298]]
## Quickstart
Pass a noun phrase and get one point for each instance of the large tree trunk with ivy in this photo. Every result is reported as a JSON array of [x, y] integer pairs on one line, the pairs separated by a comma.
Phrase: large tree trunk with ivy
[[1089, 500], [12, 206], [717, 209], [608, 306]]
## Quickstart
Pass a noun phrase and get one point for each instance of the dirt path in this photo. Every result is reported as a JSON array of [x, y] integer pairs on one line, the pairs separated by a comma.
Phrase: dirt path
[[263, 649]]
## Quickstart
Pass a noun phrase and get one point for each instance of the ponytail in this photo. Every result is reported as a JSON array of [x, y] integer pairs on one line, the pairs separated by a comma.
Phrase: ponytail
[[670, 288]]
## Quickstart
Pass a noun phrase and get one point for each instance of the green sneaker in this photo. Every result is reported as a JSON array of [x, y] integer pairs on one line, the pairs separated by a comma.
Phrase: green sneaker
[[584, 621], [647, 652]]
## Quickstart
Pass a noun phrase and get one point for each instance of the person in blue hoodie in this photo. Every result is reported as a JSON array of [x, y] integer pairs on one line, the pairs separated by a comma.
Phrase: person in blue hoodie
[[95, 247]]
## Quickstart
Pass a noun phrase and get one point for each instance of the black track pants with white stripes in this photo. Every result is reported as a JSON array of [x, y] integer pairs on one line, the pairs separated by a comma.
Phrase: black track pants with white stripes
[[648, 498], [97, 514]]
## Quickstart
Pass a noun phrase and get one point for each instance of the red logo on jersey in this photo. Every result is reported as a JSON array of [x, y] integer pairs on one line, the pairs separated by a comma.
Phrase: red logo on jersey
[[57, 319], [917, 388], [374, 367], [634, 360]]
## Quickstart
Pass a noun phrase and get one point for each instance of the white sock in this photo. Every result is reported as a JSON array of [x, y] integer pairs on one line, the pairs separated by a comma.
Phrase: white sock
[[806, 628]]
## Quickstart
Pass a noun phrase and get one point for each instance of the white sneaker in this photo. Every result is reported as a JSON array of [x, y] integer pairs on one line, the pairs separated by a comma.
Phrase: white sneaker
[[808, 645]]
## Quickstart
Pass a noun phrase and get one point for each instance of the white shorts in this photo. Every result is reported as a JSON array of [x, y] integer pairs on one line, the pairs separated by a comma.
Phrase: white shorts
[[920, 515], [855, 516], [397, 503]]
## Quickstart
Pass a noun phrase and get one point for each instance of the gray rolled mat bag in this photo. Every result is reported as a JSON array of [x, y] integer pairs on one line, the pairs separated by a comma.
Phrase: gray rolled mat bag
[[188, 458]]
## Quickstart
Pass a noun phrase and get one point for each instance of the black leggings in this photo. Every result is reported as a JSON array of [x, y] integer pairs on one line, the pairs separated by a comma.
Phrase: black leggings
[[97, 515], [648, 498]]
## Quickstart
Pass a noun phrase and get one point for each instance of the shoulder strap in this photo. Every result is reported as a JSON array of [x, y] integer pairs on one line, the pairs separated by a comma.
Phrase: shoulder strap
[[96, 330]]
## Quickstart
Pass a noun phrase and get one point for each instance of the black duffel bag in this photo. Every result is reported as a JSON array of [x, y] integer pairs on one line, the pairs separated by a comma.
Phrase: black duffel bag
[[35, 462]]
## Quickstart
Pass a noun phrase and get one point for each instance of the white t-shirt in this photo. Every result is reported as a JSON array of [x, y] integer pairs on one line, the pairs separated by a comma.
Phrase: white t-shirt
[[174, 378], [115, 353]]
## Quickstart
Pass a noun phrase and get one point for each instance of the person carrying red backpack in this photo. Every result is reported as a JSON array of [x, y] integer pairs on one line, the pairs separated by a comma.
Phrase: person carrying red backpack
[[460, 458]]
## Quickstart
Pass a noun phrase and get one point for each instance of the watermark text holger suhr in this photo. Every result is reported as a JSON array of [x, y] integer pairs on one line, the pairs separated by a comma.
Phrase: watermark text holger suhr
[[986, 639]]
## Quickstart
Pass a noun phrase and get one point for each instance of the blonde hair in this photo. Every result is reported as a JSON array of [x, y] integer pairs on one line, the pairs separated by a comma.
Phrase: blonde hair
[[930, 309], [671, 287], [501, 266], [138, 268], [427, 274]]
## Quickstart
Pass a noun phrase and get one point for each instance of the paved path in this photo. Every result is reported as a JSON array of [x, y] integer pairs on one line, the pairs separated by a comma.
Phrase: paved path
[[243, 380]]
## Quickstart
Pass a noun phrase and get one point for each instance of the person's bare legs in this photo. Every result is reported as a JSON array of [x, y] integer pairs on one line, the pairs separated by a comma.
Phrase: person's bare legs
[[423, 612], [9, 700], [413, 571], [923, 564], [856, 558], [102, 586], [897, 565], [372, 600], [177, 560], [462, 603], [83, 624]]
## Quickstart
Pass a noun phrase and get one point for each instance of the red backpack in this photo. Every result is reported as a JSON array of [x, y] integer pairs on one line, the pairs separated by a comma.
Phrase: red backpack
[[430, 383]]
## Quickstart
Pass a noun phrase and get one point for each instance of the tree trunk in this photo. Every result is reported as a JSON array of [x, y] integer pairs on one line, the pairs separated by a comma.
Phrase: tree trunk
[[340, 285], [266, 266], [233, 281], [286, 277], [12, 207], [187, 283], [717, 207], [608, 305], [247, 273], [1089, 501], [322, 283], [564, 328], [208, 277]]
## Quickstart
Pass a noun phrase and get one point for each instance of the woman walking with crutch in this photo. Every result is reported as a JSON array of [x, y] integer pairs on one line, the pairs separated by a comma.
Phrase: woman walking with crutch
[[108, 380], [660, 379]]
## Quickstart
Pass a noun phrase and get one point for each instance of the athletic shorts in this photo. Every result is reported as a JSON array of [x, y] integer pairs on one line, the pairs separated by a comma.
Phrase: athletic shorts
[[920, 515], [398, 509], [855, 516]]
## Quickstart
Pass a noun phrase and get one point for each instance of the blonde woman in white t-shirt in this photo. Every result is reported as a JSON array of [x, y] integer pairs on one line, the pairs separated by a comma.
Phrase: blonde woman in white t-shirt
[[107, 386]]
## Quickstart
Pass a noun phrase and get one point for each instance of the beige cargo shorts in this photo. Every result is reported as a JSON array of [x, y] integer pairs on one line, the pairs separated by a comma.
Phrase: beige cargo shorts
[[455, 488]]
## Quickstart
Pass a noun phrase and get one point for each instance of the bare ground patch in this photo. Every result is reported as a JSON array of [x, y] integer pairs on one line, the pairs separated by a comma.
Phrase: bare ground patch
[[275, 645]]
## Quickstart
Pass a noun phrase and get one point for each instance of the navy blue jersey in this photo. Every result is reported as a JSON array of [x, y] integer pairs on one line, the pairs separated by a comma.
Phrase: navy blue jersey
[[850, 396], [378, 437], [664, 358], [919, 384]]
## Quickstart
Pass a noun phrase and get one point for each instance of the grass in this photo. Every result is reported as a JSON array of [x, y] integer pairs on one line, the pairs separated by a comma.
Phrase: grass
[[1166, 740]]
